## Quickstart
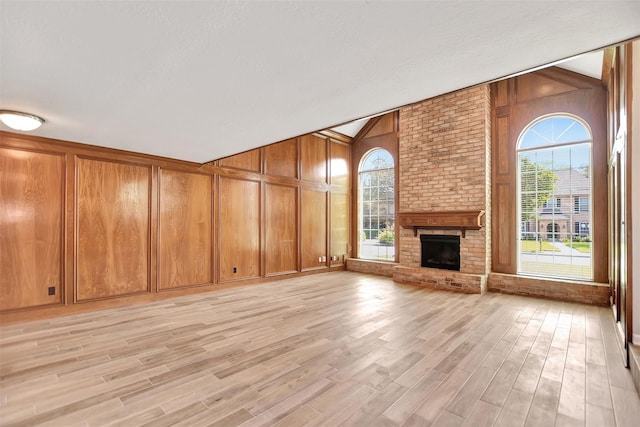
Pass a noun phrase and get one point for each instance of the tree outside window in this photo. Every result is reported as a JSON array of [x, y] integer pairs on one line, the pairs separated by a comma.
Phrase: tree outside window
[[376, 207], [554, 197]]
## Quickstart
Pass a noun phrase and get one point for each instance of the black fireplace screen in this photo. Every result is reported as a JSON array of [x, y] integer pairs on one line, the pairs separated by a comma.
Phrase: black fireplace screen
[[440, 251]]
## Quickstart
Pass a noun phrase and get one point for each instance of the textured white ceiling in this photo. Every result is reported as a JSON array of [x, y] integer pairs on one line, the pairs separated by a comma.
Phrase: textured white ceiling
[[200, 80]]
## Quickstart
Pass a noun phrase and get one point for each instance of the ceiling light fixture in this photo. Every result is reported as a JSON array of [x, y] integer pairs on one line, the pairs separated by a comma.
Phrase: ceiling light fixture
[[17, 120]]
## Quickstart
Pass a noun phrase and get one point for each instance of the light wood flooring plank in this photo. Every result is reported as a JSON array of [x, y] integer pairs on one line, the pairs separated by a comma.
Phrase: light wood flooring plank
[[329, 349]]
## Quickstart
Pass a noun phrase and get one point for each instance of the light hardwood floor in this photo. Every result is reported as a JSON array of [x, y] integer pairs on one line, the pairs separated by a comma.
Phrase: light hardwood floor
[[328, 349]]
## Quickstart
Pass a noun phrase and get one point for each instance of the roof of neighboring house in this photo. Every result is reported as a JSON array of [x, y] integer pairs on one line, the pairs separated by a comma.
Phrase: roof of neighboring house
[[571, 182]]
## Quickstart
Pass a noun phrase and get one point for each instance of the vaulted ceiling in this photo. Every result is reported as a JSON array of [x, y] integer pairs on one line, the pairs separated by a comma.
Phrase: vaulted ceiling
[[199, 80]]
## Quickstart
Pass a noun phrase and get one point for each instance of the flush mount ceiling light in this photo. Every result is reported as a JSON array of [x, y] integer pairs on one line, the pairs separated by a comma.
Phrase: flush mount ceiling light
[[20, 121]]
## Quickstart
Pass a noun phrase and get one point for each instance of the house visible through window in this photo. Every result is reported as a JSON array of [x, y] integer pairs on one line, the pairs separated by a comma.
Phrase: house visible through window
[[376, 206], [580, 204], [554, 197], [553, 203], [581, 229]]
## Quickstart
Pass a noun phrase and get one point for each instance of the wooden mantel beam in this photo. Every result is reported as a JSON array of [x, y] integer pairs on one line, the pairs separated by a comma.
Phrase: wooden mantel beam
[[442, 220]]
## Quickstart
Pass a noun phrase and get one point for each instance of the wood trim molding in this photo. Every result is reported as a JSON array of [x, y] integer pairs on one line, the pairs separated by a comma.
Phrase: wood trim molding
[[12, 139], [607, 64], [629, 179], [366, 128], [579, 81], [337, 136]]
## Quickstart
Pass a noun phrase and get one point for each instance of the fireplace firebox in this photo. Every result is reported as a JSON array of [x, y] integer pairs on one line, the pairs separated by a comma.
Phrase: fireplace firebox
[[440, 251]]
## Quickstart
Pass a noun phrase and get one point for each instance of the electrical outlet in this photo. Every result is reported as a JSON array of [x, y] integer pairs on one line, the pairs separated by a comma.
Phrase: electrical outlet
[[235, 269], [319, 259], [52, 290], [324, 259]]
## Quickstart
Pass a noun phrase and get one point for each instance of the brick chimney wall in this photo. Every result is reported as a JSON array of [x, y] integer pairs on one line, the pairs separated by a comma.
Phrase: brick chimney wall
[[444, 164]]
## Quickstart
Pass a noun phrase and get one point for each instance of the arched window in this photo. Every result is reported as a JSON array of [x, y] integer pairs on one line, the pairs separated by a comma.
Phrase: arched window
[[555, 198], [376, 206]]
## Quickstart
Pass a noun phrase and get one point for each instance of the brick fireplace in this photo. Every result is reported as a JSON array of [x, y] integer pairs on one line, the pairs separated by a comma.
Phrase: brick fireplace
[[444, 165]]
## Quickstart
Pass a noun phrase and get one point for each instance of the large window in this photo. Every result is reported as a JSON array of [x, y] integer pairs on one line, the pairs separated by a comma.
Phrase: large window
[[376, 207], [554, 198]]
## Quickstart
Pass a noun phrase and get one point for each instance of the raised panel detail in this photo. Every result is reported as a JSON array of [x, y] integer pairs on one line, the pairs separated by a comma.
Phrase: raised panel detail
[[504, 248], [314, 228], [506, 156], [384, 125], [249, 160], [31, 215], [313, 158], [339, 166], [501, 96], [281, 159], [339, 227], [185, 229], [239, 229], [281, 246], [112, 225]]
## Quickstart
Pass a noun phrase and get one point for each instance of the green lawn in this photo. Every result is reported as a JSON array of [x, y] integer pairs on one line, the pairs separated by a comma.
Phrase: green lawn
[[533, 246], [543, 268], [580, 246]]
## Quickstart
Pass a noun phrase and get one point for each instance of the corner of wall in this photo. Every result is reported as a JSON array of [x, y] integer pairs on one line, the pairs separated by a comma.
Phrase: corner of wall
[[634, 119]]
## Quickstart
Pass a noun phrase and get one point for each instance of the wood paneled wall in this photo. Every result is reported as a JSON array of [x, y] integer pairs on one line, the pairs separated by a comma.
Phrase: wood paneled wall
[[113, 222], [239, 229], [281, 237], [281, 159], [249, 160], [518, 101], [314, 229], [96, 226], [186, 214], [300, 178], [313, 158], [340, 220], [31, 228]]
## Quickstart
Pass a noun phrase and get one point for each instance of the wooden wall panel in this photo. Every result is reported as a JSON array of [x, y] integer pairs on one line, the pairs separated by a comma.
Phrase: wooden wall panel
[[314, 228], [339, 167], [31, 219], [281, 159], [239, 228], [184, 248], [281, 238], [112, 229], [249, 160], [313, 158], [504, 229], [534, 86], [384, 125], [506, 156], [131, 225], [339, 238], [501, 93]]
